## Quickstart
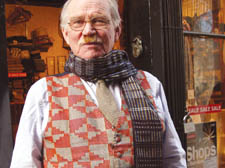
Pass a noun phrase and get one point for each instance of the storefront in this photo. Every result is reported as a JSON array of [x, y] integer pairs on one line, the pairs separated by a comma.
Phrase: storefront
[[152, 27], [181, 42], [204, 28]]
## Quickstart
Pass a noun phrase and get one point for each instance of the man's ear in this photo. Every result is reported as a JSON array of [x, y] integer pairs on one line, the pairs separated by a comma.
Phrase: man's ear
[[65, 35], [118, 30]]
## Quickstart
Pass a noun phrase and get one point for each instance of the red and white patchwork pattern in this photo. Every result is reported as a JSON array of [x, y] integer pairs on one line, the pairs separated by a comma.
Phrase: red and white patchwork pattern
[[78, 135]]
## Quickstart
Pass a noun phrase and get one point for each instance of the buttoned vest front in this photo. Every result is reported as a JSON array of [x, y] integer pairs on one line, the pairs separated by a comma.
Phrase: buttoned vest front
[[78, 135]]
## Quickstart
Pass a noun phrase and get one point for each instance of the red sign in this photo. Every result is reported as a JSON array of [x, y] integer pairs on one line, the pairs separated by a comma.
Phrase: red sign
[[17, 75], [212, 108]]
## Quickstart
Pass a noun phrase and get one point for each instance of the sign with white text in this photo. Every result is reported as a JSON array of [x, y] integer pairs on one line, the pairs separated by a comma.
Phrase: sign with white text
[[212, 108], [202, 146]]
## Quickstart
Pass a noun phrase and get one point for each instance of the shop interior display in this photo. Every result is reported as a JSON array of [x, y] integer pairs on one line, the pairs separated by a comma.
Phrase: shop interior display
[[25, 62]]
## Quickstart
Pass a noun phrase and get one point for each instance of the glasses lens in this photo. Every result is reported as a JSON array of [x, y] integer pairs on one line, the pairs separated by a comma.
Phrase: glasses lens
[[100, 23], [97, 23], [77, 24]]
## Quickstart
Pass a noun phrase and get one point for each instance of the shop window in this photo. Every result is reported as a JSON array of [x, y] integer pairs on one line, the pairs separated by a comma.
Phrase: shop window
[[204, 48], [35, 48]]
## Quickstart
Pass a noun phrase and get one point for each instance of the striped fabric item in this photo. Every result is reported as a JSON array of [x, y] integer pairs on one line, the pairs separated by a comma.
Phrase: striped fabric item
[[147, 128], [114, 66]]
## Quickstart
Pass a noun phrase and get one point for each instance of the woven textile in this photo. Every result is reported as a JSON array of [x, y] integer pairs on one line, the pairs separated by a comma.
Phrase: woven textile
[[114, 66], [147, 128], [78, 135]]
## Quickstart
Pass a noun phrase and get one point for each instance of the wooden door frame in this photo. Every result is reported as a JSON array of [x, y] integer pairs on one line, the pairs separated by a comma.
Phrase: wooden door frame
[[164, 55], [6, 141]]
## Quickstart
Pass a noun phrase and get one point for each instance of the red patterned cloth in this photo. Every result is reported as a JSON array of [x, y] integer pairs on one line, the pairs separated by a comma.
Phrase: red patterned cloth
[[78, 135]]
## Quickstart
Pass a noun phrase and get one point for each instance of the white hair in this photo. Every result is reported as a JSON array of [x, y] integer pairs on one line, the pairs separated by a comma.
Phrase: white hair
[[114, 13]]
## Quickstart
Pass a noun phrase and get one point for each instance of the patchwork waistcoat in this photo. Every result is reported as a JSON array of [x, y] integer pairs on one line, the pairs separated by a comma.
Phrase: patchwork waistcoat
[[78, 135]]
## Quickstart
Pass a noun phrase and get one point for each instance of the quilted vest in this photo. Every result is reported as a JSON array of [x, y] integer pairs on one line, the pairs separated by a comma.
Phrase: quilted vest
[[78, 135]]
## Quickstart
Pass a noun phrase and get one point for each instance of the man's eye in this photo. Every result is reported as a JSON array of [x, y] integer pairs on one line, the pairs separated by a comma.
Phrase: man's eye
[[77, 22], [99, 21]]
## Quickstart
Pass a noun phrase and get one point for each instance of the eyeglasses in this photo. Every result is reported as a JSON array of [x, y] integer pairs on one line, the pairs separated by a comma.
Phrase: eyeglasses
[[97, 23]]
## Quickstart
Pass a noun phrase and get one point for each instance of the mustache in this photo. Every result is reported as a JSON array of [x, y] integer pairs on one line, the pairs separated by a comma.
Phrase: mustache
[[90, 39]]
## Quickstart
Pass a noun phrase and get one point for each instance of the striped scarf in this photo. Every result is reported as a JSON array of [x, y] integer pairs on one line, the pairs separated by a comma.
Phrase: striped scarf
[[147, 128]]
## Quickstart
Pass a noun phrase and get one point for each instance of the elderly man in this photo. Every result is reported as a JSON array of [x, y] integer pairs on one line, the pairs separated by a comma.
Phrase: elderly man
[[101, 112]]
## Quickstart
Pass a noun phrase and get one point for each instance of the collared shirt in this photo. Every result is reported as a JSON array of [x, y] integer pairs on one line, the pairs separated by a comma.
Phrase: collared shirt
[[28, 146]]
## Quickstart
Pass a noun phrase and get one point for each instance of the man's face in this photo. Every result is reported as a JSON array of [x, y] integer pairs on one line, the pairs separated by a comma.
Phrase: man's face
[[91, 32]]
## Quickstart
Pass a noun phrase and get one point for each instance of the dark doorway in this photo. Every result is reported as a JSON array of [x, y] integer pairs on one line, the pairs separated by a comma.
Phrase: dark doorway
[[157, 27]]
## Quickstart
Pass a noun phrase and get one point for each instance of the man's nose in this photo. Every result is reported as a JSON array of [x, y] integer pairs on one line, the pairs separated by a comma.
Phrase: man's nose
[[88, 29]]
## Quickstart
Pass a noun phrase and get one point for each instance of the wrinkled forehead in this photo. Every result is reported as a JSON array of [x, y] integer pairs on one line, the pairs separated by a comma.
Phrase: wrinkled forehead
[[88, 8]]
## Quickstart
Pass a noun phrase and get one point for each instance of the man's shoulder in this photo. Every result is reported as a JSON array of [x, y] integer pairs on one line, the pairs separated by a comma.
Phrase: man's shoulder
[[63, 75], [148, 76], [60, 75], [63, 79]]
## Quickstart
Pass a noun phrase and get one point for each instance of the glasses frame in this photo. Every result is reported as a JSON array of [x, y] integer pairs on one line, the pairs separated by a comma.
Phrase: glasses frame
[[98, 23]]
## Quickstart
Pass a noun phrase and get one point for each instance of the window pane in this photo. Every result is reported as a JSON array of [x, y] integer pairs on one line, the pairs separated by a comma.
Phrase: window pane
[[203, 16], [205, 66], [204, 71]]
